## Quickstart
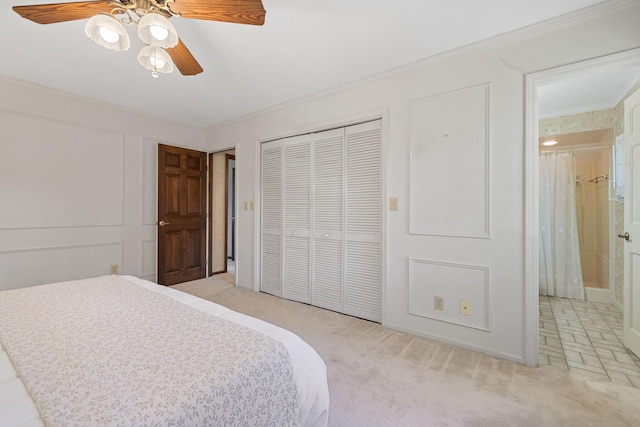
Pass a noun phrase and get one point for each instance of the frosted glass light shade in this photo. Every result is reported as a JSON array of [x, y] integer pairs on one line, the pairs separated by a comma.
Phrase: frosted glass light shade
[[156, 30], [156, 59], [107, 31]]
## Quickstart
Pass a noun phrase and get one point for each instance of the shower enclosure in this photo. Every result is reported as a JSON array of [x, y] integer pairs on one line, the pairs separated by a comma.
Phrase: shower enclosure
[[558, 252], [577, 212], [594, 215]]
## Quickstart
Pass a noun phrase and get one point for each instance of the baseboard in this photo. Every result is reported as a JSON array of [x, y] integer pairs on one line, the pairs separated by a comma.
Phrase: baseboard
[[447, 340], [617, 304], [597, 295]]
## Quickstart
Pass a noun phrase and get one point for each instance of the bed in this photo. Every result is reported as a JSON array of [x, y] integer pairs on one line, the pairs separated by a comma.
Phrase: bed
[[118, 350]]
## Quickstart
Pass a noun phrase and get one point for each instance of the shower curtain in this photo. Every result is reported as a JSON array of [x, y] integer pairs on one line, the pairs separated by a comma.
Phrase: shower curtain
[[558, 251]]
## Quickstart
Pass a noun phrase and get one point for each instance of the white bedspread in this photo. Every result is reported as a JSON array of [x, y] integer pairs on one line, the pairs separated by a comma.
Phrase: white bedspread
[[143, 367]]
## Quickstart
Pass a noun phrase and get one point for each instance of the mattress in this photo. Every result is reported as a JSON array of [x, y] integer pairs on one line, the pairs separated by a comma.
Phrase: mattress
[[262, 374]]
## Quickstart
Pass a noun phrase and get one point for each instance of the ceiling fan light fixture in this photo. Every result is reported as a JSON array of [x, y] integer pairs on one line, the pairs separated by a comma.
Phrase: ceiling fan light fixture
[[106, 30], [156, 30], [155, 59]]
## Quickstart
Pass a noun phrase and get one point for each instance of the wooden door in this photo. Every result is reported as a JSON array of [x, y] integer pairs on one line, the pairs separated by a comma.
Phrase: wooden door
[[632, 223], [182, 184]]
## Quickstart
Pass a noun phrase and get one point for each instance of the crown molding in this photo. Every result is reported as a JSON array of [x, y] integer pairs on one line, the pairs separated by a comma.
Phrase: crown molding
[[566, 20], [100, 104]]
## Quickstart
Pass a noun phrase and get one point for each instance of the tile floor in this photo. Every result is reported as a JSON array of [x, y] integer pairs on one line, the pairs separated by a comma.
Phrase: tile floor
[[586, 338]]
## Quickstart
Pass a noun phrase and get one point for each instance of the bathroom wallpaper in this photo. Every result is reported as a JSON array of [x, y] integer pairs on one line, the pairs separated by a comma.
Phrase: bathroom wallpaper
[[592, 120]]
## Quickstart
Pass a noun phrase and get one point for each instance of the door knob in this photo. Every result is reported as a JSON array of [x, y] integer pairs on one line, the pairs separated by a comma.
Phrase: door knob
[[624, 236], [162, 223]]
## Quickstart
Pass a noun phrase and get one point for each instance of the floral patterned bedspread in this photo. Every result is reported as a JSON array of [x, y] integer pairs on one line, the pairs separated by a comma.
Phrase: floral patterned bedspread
[[105, 352]]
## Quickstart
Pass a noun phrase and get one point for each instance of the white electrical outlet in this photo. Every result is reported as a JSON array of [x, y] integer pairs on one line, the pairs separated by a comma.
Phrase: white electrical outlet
[[465, 307], [114, 269], [438, 302]]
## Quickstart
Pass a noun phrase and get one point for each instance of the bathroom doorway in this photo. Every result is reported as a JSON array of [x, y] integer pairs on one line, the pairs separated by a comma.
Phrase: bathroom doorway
[[613, 77]]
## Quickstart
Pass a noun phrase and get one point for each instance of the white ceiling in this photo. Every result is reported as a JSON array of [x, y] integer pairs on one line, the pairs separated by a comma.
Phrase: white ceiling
[[597, 90], [305, 46]]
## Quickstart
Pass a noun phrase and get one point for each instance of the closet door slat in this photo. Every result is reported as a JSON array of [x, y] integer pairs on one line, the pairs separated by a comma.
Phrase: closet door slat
[[327, 279], [296, 283], [328, 219], [271, 265], [363, 256], [271, 204]]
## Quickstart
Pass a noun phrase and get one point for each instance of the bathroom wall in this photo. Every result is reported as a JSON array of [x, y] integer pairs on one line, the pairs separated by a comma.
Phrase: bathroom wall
[[592, 212]]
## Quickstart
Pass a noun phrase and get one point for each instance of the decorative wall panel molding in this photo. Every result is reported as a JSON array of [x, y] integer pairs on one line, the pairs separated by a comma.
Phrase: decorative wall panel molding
[[59, 174], [149, 178], [449, 162], [33, 266], [453, 282], [149, 262]]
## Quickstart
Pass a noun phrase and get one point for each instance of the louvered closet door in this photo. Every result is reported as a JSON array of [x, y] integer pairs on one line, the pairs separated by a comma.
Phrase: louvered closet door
[[328, 219], [271, 203], [363, 246], [296, 277]]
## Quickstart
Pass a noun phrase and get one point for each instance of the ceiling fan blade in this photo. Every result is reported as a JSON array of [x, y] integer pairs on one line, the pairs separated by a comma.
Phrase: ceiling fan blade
[[62, 12], [184, 60], [237, 11]]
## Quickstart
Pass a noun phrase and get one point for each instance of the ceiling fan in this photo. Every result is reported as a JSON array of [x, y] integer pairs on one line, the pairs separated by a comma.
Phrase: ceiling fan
[[107, 19]]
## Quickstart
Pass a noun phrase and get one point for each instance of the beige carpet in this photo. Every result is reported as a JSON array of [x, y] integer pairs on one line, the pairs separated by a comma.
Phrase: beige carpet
[[381, 377], [225, 277]]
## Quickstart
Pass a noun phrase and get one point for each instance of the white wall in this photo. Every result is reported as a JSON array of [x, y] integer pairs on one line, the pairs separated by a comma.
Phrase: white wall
[[77, 186], [485, 265]]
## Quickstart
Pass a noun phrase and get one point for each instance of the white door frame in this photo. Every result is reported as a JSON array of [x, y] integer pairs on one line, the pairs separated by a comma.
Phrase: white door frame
[[533, 81]]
